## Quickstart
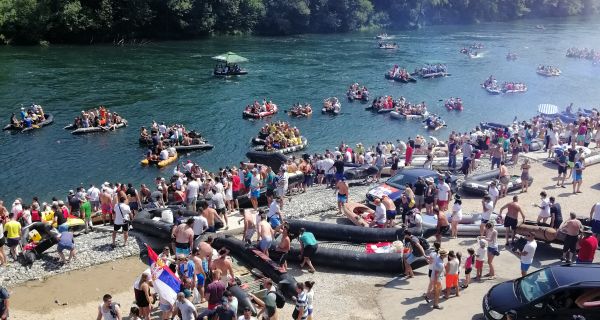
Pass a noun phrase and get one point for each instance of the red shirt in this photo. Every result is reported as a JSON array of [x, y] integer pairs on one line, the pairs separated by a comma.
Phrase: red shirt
[[409, 152], [235, 183], [35, 216], [587, 249]]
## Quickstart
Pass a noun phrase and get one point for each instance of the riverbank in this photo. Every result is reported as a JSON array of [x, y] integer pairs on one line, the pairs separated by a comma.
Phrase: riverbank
[[364, 296]]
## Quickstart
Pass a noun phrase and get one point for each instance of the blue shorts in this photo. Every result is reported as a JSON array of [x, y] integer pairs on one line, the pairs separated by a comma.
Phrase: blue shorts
[[200, 279], [255, 194], [310, 311], [274, 221], [342, 198], [525, 266], [493, 251], [264, 244], [339, 176], [61, 248], [577, 177], [596, 226], [390, 214]]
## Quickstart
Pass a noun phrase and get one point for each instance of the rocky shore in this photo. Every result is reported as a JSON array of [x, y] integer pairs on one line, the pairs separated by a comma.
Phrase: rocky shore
[[92, 249]]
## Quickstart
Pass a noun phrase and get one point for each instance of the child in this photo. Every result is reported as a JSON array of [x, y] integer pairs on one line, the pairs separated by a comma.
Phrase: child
[[452, 274], [310, 294], [480, 257], [468, 267]]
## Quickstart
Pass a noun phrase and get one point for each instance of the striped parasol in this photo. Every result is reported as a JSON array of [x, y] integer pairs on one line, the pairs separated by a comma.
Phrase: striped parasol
[[548, 109]]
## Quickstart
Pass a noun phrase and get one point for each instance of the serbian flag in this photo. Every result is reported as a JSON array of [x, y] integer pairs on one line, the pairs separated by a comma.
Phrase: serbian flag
[[165, 282]]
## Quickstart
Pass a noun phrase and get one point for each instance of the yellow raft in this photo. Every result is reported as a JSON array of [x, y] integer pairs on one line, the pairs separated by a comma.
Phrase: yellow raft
[[75, 224], [162, 163]]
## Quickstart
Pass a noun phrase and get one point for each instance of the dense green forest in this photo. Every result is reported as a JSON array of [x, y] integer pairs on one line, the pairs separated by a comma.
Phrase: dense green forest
[[91, 21]]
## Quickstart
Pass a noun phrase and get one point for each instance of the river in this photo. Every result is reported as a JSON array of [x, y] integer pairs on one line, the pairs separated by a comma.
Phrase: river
[[172, 82]]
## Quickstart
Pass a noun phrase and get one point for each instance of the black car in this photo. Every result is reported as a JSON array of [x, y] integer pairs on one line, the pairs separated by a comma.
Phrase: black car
[[394, 186], [570, 291]]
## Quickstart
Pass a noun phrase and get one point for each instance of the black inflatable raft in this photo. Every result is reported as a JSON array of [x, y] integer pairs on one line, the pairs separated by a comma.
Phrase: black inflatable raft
[[145, 223], [346, 233], [478, 184], [272, 159], [354, 257], [254, 257]]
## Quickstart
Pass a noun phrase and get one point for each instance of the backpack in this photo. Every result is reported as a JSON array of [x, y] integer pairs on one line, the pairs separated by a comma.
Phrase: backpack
[[279, 299]]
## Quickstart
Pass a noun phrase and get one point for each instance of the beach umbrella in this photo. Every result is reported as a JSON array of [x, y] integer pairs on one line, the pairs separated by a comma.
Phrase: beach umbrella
[[547, 109], [230, 57]]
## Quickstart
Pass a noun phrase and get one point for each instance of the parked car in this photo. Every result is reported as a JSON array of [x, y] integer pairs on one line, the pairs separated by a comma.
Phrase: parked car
[[570, 291], [395, 185]]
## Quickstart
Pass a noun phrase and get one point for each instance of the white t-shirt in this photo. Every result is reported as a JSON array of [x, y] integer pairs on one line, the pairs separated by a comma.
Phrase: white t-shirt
[[106, 314], [433, 257], [488, 210], [200, 224], [164, 155], [443, 191], [438, 266], [481, 254], [94, 193], [273, 209], [457, 212], [187, 309], [416, 219], [380, 214], [192, 189], [545, 208], [188, 166], [310, 295], [122, 212], [493, 192], [327, 164], [530, 249], [218, 200], [243, 318]]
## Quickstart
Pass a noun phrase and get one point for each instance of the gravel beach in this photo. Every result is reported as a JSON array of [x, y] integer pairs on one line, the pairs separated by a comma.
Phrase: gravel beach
[[339, 294]]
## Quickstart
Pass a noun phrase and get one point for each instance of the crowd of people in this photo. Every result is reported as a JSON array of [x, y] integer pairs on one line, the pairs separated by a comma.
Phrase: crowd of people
[[399, 73], [332, 105], [548, 70], [161, 136], [97, 117], [430, 69], [454, 104], [227, 68], [356, 91], [300, 110], [280, 135], [585, 53], [258, 108], [387, 45], [28, 118], [506, 87]]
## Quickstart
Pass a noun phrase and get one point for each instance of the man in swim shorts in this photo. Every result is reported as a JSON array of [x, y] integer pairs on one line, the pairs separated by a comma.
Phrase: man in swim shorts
[[183, 236], [274, 215], [390, 210], [265, 235], [249, 217], [199, 271], [342, 193]]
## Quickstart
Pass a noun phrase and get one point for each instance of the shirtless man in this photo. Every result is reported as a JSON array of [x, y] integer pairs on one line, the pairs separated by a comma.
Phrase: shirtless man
[[571, 228], [342, 193], [249, 218], [265, 235], [390, 210], [183, 235], [106, 205], [199, 271], [283, 248], [442, 224], [496, 153], [211, 215], [512, 217], [223, 263]]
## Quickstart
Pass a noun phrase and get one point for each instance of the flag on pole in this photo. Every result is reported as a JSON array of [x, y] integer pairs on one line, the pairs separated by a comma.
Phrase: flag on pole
[[165, 282]]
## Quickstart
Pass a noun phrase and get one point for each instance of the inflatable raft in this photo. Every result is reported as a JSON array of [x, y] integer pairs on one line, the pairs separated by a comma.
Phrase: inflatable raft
[[478, 184], [150, 222], [398, 115], [360, 172], [193, 147], [358, 213], [46, 239], [345, 233], [467, 227], [49, 120], [247, 114], [272, 159], [284, 150], [161, 163], [94, 129], [355, 257], [255, 258]]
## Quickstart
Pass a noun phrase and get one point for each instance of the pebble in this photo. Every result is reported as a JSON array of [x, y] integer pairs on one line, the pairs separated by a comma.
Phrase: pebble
[[92, 249]]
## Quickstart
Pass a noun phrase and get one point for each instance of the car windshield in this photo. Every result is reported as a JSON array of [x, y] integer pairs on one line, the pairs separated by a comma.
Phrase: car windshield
[[537, 284]]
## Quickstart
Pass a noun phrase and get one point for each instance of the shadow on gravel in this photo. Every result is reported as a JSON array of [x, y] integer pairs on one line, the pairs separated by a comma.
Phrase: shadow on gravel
[[421, 310], [596, 186], [103, 247], [51, 264]]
